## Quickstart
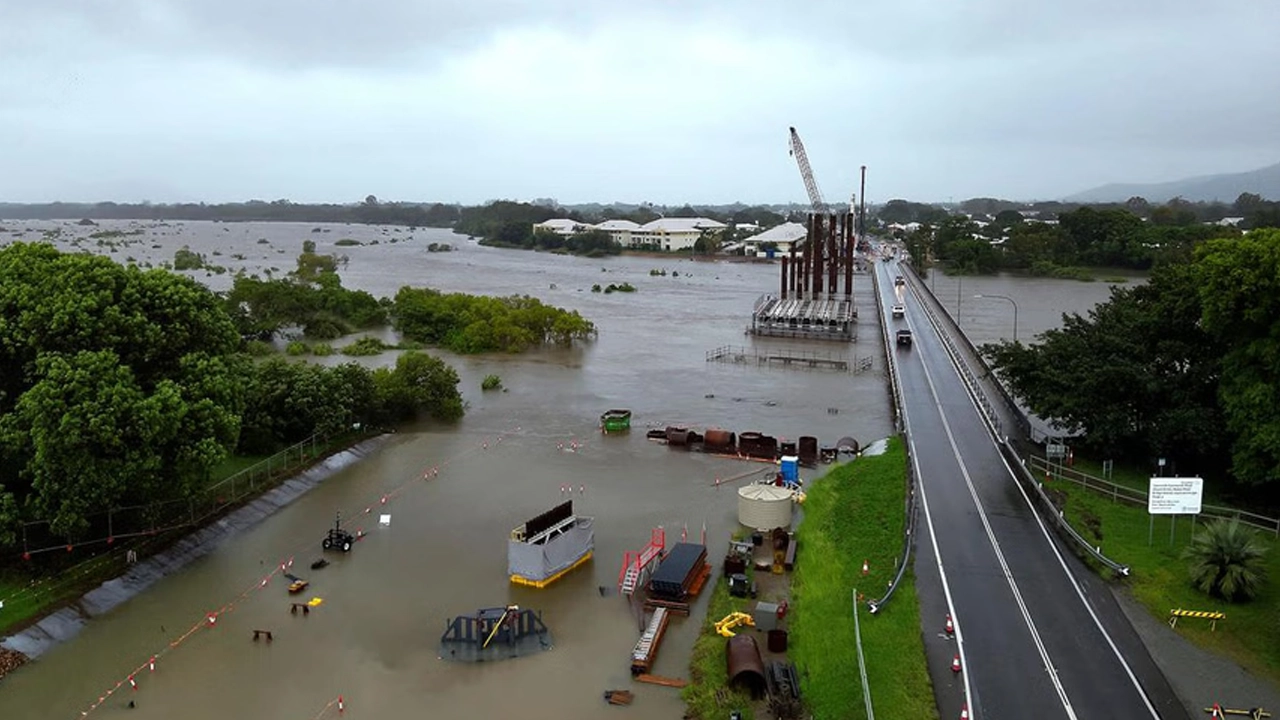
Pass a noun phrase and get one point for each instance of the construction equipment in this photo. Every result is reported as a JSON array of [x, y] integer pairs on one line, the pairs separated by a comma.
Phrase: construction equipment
[[806, 174]]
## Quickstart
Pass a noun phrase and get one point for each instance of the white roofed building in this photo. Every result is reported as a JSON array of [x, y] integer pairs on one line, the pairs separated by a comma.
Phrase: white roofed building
[[562, 226], [782, 238], [673, 234], [619, 230]]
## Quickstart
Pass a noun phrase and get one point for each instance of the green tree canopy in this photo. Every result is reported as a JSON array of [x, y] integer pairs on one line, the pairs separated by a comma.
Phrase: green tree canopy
[[116, 384], [1138, 376]]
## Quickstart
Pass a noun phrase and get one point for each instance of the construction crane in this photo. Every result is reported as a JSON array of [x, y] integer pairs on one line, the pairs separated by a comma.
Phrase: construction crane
[[806, 173]]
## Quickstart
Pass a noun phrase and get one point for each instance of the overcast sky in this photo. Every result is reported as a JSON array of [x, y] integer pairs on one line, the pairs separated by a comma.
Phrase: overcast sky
[[609, 100]]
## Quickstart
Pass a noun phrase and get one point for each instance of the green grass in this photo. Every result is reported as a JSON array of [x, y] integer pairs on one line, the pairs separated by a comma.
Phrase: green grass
[[1250, 634], [855, 513], [708, 674]]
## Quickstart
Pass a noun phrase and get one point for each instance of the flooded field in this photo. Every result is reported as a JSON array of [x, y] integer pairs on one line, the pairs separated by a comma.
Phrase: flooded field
[[374, 639]]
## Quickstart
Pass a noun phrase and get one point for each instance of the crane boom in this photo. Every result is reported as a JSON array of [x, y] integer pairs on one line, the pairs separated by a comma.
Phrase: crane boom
[[806, 174]]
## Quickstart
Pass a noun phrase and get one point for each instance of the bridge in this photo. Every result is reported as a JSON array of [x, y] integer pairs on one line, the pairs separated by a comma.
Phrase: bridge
[[1037, 632]]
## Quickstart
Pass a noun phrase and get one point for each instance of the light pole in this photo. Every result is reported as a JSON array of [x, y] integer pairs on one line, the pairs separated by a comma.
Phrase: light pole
[[1015, 311]]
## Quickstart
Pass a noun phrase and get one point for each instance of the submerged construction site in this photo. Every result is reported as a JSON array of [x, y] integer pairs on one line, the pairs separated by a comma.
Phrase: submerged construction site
[[811, 302]]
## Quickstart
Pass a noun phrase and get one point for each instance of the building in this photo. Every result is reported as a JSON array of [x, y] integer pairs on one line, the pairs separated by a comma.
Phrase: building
[[673, 234], [782, 238], [562, 226], [619, 230]]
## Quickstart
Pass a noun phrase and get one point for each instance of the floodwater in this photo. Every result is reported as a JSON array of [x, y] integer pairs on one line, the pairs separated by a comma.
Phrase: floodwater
[[374, 639]]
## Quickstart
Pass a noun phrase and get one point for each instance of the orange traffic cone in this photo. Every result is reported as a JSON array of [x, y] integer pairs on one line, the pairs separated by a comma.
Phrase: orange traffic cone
[[951, 628], [955, 664], [865, 568], [964, 711]]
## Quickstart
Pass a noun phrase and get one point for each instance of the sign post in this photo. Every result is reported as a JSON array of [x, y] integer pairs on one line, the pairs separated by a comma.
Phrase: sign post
[[1172, 496]]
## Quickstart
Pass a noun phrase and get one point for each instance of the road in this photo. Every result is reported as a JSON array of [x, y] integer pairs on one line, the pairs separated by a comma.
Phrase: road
[[1036, 638]]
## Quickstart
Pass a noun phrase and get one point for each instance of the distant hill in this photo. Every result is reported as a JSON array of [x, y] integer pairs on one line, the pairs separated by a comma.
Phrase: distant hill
[[1226, 187]]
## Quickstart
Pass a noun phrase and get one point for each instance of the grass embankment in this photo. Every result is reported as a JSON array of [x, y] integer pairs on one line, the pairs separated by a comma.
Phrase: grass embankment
[[47, 582], [855, 513], [708, 696], [1250, 634]]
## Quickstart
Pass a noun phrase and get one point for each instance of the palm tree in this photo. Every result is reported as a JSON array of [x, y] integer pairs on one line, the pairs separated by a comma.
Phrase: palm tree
[[1227, 561]]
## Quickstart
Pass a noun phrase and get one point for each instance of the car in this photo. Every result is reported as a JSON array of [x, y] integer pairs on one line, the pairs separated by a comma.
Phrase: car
[[904, 338], [899, 280], [898, 311]]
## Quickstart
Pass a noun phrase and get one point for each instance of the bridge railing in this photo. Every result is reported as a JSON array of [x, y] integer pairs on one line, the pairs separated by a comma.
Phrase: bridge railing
[[987, 410], [910, 510]]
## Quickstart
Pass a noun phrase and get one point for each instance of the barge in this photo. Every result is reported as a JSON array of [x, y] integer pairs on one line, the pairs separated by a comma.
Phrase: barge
[[549, 546]]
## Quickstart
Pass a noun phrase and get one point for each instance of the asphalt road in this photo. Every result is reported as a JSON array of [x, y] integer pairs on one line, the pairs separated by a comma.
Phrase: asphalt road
[[1035, 640]]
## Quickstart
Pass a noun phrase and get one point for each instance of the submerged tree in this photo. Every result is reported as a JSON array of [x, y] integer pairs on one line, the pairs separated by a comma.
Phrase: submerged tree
[[1226, 561]]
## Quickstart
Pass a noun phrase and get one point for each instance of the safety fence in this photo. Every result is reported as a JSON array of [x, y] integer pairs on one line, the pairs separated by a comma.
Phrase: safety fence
[[1043, 467], [910, 509], [208, 621], [945, 331], [156, 518]]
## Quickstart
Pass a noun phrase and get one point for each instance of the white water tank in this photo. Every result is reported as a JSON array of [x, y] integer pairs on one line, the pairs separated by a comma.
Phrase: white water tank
[[764, 507]]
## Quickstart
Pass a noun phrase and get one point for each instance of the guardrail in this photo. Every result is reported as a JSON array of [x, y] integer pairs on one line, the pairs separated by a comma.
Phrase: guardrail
[[909, 511], [1121, 493], [987, 411], [862, 664]]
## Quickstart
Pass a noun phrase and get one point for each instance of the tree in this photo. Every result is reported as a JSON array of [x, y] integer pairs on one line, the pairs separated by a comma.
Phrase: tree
[[1138, 377], [1227, 561], [116, 385], [420, 385], [1239, 288]]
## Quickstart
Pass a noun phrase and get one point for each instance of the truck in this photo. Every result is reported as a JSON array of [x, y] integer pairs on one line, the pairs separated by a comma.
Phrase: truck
[[904, 338]]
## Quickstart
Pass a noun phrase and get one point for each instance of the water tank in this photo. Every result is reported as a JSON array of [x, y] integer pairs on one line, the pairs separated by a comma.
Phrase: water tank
[[764, 507]]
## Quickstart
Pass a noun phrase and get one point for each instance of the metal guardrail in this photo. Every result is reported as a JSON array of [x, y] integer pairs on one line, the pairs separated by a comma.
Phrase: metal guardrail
[[909, 511], [862, 663], [988, 413], [1120, 493]]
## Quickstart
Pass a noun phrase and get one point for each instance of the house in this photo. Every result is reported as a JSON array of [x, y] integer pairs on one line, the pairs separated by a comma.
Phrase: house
[[674, 234], [619, 230], [562, 226], [782, 237]]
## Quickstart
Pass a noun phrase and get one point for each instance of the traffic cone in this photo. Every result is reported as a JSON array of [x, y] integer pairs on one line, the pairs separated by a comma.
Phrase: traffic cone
[[955, 664], [865, 568], [964, 711], [951, 628]]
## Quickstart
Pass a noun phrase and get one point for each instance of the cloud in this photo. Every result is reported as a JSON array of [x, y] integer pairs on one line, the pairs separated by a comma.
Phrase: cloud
[[663, 101]]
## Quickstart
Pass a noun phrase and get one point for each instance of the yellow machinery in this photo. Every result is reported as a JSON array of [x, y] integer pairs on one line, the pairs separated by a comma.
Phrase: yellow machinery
[[733, 620]]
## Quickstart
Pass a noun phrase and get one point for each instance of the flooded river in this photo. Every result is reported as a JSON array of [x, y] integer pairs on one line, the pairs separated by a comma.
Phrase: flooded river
[[374, 639]]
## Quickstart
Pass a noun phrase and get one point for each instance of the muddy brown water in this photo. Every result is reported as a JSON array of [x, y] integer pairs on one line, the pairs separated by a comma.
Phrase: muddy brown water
[[374, 639]]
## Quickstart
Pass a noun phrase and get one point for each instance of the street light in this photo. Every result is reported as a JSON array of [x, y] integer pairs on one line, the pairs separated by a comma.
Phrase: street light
[[1015, 311]]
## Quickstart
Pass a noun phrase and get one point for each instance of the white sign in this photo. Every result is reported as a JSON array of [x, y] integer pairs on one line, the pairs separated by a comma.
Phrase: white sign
[[1175, 496]]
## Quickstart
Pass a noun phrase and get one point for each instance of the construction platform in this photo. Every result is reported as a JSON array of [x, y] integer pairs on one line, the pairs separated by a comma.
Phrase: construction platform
[[810, 317], [789, 359]]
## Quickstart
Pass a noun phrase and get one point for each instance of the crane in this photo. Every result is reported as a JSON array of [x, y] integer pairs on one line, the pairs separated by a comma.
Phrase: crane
[[806, 173]]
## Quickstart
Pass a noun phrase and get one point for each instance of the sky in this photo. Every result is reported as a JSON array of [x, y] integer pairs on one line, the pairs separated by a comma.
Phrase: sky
[[622, 101]]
